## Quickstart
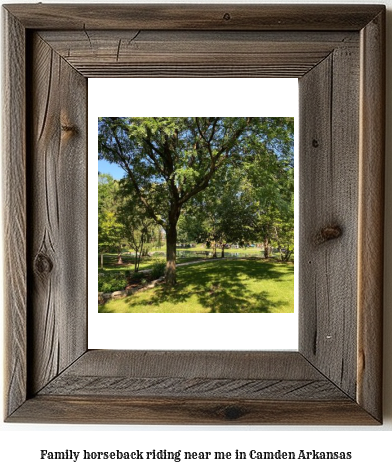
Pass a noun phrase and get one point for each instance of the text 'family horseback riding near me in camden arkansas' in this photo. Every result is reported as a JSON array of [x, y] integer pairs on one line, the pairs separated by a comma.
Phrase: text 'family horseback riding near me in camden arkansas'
[[180, 455]]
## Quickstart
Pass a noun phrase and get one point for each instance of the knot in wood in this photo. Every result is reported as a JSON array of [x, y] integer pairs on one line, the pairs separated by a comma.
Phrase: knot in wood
[[328, 233], [227, 16], [68, 128], [315, 143], [43, 264], [232, 413]]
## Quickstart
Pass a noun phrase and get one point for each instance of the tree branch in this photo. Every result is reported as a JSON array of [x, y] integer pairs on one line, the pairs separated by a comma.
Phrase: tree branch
[[142, 198], [216, 162], [124, 164]]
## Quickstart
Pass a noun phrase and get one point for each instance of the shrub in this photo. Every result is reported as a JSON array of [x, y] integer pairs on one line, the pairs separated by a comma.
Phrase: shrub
[[137, 277], [111, 282], [158, 270], [127, 275]]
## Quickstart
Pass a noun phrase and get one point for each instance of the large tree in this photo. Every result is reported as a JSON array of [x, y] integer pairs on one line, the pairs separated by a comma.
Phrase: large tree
[[168, 161]]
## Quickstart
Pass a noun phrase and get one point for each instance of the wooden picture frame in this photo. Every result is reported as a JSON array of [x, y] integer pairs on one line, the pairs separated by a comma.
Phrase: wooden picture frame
[[337, 52]]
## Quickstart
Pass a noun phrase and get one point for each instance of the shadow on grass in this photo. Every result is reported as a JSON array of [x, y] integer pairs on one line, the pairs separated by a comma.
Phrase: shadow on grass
[[223, 287]]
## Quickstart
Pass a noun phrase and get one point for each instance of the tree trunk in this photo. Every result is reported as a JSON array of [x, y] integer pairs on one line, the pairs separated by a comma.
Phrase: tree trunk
[[102, 260], [223, 251], [136, 265], [171, 242], [266, 248], [159, 243], [119, 257], [214, 250], [282, 255]]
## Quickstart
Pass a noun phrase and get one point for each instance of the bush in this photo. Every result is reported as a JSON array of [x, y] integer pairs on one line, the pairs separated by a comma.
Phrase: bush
[[111, 282], [136, 277], [158, 270], [127, 275]]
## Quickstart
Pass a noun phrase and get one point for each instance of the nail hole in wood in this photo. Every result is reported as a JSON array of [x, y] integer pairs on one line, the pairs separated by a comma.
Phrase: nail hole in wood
[[315, 143]]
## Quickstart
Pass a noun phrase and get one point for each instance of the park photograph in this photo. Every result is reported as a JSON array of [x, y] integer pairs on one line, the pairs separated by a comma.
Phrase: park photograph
[[195, 215]]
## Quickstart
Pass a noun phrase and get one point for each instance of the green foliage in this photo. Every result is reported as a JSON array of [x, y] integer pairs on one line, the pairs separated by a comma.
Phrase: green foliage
[[111, 282], [168, 160], [137, 277], [158, 270], [122, 222], [110, 231], [138, 228], [216, 179]]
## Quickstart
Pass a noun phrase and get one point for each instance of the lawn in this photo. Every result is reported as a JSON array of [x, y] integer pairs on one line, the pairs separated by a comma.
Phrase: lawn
[[111, 266], [183, 255], [218, 286], [110, 263]]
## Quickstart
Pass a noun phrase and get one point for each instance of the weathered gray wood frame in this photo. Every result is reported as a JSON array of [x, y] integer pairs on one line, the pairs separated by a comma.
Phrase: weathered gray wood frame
[[337, 52]]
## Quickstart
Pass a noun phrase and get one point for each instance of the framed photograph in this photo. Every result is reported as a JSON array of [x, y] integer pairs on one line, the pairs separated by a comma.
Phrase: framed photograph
[[337, 52], [223, 232]]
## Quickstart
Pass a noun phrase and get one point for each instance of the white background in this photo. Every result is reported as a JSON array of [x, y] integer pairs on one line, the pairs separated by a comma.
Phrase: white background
[[20, 444], [194, 98]]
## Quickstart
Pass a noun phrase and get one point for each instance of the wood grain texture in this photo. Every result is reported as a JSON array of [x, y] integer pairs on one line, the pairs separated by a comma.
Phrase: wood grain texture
[[14, 212], [122, 410], [188, 387], [336, 377], [371, 216], [57, 215], [129, 53], [195, 17], [186, 374], [208, 364], [329, 98]]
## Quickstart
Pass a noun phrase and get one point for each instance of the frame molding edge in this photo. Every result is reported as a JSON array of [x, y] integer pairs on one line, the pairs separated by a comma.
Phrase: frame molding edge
[[20, 406]]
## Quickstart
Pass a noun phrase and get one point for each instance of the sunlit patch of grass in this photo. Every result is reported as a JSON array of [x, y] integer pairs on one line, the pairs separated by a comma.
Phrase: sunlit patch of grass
[[227, 286], [111, 266]]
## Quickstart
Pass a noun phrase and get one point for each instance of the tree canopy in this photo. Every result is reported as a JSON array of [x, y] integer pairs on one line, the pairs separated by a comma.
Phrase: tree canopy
[[219, 164]]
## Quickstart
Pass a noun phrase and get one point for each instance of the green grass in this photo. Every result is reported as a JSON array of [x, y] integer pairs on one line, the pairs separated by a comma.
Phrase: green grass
[[244, 252], [251, 251], [229, 286], [110, 263], [192, 254]]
